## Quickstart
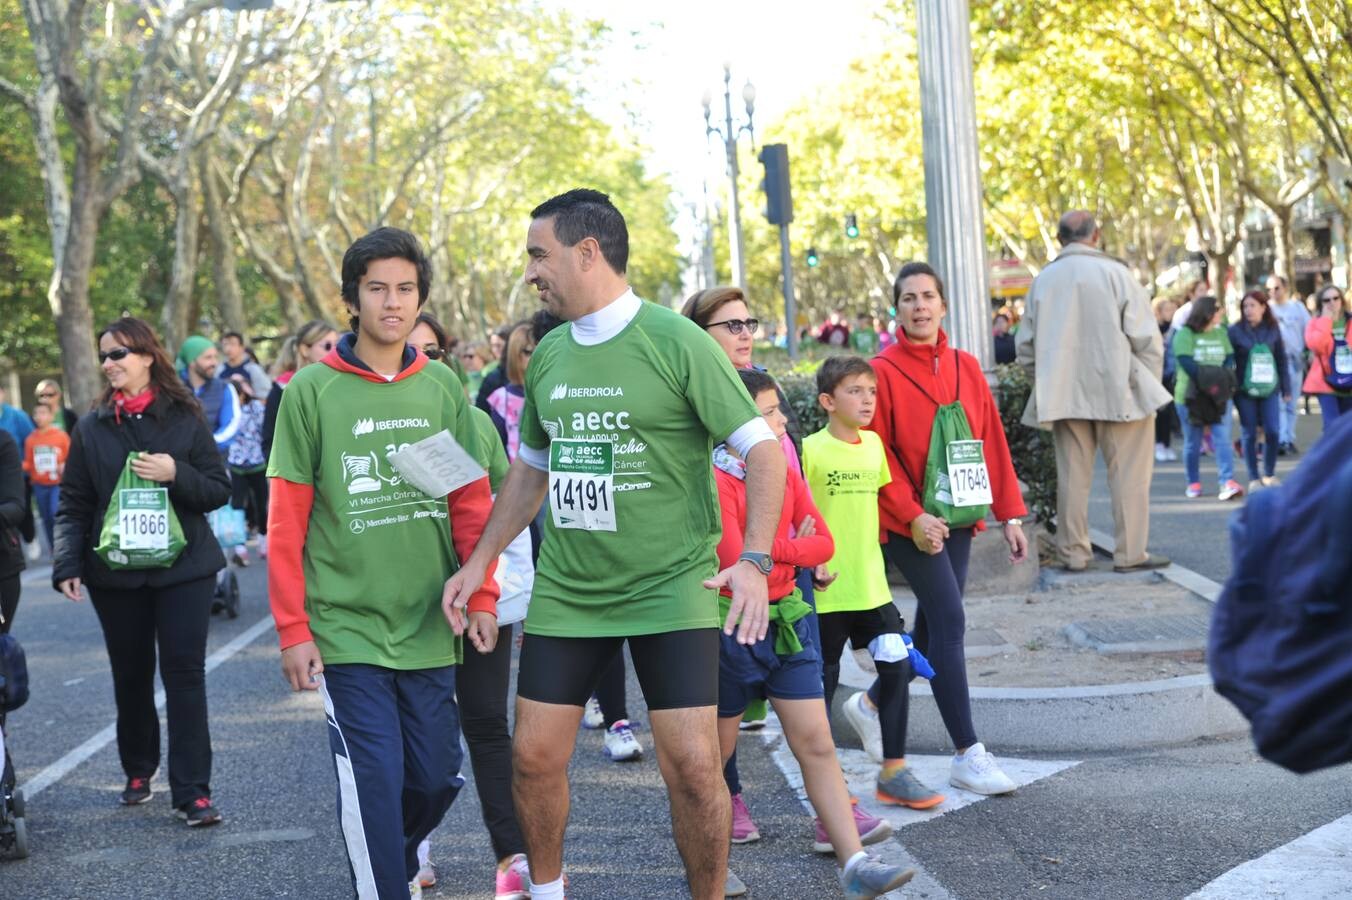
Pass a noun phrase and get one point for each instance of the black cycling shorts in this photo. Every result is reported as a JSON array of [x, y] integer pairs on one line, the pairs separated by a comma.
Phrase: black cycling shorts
[[676, 669]]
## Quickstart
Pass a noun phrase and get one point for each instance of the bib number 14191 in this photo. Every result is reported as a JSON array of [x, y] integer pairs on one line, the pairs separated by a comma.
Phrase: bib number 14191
[[582, 484]]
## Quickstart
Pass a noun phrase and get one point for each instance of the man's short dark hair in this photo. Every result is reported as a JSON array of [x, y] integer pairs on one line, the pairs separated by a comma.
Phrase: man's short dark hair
[[583, 213], [757, 382], [383, 243], [542, 323], [233, 334], [1076, 225], [837, 368]]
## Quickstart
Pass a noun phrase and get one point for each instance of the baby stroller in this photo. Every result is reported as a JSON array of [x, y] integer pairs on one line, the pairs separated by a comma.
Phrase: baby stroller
[[228, 524], [13, 694]]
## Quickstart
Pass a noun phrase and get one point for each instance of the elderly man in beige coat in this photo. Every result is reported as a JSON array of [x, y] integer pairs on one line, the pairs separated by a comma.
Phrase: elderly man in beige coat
[[1091, 346]]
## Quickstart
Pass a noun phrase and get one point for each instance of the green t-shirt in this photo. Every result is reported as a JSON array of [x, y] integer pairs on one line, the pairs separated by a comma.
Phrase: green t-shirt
[[490, 453], [845, 480], [378, 550], [658, 393], [864, 341], [1210, 348]]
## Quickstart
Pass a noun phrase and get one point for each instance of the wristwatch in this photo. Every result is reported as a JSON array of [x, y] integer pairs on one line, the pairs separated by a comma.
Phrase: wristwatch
[[1014, 522], [761, 561]]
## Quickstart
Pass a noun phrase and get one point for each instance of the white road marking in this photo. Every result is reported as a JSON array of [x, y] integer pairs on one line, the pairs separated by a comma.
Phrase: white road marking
[[66, 764], [1315, 866], [860, 775]]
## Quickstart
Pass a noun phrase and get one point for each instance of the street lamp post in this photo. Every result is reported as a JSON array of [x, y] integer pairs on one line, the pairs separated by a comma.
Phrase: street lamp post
[[729, 136], [955, 228]]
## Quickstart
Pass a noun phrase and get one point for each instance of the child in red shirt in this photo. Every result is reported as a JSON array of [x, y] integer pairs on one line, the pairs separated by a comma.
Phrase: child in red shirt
[[785, 664], [44, 462]]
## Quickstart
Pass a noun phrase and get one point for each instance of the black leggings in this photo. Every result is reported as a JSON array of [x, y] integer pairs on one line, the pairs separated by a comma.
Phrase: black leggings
[[940, 623], [253, 485], [481, 690], [9, 601], [173, 619], [610, 691], [890, 692]]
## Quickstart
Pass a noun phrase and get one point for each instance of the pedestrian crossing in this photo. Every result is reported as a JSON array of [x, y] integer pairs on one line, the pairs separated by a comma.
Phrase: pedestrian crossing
[[1315, 866]]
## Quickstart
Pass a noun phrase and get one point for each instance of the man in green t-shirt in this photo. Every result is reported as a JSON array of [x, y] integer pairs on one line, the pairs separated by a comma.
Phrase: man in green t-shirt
[[622, 409], [360, 557]]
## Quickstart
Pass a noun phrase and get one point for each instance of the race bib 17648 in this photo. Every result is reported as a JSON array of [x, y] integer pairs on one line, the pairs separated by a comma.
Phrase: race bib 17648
[[968, 479], [582, 484]]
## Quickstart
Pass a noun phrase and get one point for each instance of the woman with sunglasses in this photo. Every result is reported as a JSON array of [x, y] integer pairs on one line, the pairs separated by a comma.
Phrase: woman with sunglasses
[[1326, 337], [148, 410], [314, 341], [49, 392]]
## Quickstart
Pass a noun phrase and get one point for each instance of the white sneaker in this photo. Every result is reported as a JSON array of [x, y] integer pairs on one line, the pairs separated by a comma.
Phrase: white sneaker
[[1170, 455], [977, 771], [621, 745], [414, 890], [591, 714], [427, 875], [1161, 453], [262, 546], [864, 718]]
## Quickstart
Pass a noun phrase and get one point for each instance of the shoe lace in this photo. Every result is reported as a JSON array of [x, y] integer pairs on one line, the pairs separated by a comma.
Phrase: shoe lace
[[137, 784], [981, 763], [621, 729], [202, 803]]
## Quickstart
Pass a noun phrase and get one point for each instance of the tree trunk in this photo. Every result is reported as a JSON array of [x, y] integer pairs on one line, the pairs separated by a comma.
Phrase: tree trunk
[[222, 255], [175, 322], [69, 294], [1283, 242]]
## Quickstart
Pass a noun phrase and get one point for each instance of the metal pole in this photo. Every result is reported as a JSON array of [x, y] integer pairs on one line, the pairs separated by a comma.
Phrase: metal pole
[[956, 231], [735, 212], [790, 306]]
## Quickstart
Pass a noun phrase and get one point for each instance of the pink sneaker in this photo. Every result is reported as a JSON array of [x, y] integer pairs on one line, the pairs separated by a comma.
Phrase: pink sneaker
[[871, 830], [744, 830], [513, 884]]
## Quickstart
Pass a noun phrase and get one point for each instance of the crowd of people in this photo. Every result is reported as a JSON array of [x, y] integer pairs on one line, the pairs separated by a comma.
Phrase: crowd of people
[[632, 477]]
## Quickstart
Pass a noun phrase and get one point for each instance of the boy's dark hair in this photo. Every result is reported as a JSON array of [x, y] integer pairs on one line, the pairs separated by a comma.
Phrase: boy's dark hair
[[1203, 311], [837, 368], [582, 213], [383, 243], [542, 323], [917, 268], [233, 334], [757, 382]]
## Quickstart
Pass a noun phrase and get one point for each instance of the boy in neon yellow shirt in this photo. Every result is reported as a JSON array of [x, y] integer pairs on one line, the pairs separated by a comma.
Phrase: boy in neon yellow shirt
[[845, 467]]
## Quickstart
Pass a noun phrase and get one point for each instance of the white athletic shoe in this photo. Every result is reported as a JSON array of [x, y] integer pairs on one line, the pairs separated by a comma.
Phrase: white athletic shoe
[[864, 719], [591, 714], [621, 745], [414, 891], [977, 771]]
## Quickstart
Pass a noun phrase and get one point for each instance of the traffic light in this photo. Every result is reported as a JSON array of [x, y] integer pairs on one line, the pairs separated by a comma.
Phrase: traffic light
[[778, 197], [813, 260], [852, 226]]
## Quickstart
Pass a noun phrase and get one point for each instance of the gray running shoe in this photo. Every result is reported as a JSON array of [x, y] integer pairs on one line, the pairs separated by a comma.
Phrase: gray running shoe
[[871, 877], [733, 887], [904, 789]]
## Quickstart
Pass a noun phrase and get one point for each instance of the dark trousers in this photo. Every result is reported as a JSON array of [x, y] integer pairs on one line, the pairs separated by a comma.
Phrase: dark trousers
[[1255, 412], [48, 496], [395, 738], [940, 623], [610, 691], [9, 601], [481, 689], [1331, 406], [249, 492], [173, 620]]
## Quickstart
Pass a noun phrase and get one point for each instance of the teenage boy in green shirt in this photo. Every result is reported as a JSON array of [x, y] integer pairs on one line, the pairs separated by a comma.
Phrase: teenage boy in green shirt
[[360, 558]]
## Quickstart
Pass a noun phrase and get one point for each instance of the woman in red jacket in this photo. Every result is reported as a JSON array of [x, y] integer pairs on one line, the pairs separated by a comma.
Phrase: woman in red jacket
[[916, 376]]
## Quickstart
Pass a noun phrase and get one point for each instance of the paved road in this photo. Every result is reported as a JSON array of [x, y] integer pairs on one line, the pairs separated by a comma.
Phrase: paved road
[[1194, 533], [1150, 824]]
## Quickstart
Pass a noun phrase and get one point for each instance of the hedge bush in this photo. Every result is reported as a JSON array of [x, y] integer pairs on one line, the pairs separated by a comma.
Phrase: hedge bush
[[1032, 449]]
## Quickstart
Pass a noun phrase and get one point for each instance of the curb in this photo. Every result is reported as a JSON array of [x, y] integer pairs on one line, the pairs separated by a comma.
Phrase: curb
[[1185, 578]]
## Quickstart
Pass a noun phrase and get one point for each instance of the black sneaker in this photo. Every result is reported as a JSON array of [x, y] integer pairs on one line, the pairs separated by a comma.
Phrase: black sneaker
[[137, 792], [198, 812]]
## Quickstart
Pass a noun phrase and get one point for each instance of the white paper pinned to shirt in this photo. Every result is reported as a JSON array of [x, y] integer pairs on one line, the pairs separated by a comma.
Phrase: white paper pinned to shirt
[[437, 465]]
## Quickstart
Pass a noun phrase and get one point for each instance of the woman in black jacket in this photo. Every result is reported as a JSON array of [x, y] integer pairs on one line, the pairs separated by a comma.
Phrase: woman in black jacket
[[148, 410], [12, 509]]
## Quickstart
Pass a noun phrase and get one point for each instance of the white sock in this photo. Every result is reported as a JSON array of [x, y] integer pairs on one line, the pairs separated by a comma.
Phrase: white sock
[[854, 861], [551, 891]]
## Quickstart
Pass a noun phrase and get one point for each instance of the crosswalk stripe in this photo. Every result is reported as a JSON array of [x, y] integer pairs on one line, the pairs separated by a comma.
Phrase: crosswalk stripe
[[1315, 866]]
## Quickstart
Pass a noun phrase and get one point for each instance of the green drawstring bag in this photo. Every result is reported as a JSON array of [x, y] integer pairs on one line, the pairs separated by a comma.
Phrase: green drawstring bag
[[957, 484], [1260, 372], [140, 528]]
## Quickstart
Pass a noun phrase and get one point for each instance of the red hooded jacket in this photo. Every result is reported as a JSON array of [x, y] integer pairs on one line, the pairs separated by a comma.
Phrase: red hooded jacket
[[914, 380]]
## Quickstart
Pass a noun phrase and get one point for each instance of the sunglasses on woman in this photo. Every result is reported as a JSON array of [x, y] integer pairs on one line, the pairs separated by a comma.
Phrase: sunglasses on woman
[[735, 326], [434, 352], [116, 354]]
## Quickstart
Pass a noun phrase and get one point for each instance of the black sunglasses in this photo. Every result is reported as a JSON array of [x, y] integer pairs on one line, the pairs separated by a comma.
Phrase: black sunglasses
[[115, 355], [434, 352], [735, 326]]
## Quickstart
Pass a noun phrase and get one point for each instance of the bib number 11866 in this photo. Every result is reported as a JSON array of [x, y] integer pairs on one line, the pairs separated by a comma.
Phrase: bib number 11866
[[143, 519], [582, 484]]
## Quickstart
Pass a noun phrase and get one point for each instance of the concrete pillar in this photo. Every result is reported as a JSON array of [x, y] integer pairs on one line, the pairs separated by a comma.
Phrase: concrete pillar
[[956, 229]]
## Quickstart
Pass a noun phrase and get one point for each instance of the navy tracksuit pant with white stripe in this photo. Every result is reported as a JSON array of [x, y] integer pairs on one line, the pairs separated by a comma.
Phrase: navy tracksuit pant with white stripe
[[395, 737]]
